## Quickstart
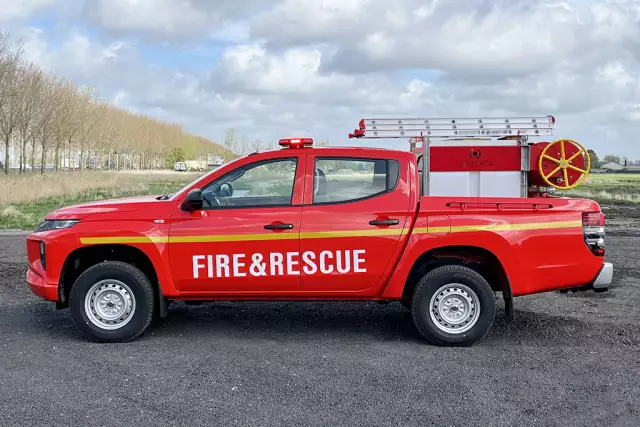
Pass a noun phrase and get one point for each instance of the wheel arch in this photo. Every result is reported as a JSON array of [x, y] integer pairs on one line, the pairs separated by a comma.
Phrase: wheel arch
[[479, 259], [84, 257]]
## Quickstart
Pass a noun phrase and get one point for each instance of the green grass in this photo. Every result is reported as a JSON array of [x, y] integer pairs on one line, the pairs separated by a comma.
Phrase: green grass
[[621, 188], [604, 188], [603, 177], [26, 216]]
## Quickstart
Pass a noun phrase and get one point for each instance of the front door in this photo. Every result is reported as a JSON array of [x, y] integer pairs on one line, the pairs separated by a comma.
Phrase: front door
[[244, 239], [352, 222]]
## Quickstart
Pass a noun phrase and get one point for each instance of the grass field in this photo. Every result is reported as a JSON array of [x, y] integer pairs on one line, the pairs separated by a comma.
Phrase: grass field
[[620, 188], [26, 199]]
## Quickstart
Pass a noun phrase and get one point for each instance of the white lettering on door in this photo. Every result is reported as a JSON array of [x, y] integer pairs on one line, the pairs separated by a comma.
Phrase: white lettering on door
[[197, 266], [324, 255], [276, 262], [222, 263], [310, 266], [357, 260], [291, 263], [237, 265]]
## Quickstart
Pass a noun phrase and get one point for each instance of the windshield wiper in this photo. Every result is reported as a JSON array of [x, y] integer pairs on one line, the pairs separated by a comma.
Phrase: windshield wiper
[[163, 197]]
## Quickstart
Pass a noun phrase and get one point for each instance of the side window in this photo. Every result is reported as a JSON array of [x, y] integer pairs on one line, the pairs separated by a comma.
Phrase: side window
[[341, 179], [263, 184]]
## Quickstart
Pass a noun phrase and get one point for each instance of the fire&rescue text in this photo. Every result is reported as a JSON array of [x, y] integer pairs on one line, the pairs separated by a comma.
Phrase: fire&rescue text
[[279, 264]]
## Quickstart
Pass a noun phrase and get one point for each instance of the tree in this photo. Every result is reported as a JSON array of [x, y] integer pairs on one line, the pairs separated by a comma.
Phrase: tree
[[88, 112], [65, 119], [57, 117], [230, 142], [595, 161], [46, 116], [609, 158], [10, 61], [27, 100], [175, 155], [9, 110], [256, 145]]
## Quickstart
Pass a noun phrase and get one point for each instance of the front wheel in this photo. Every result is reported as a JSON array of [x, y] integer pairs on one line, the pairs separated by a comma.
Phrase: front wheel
[[112, 302], [453, 305]]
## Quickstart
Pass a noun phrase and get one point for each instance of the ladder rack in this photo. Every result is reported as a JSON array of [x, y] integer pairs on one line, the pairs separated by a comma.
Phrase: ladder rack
[[450, 128], [422, 130]]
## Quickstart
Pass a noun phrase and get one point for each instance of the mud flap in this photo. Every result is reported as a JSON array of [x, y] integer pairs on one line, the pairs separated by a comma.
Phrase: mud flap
[[508, 302], [162, 303]]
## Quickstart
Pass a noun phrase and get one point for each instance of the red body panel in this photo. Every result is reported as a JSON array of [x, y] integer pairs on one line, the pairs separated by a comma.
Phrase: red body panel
[[538, 241], [215, 275], [535, 260], [481, 158], [378, 251]]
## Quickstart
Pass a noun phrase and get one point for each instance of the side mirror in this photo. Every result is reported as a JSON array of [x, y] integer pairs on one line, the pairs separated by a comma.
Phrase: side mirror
[[226, 190], [193, 201]]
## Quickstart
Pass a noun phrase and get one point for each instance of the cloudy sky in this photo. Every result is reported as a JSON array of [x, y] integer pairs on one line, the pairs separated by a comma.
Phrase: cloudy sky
[[276, 68]]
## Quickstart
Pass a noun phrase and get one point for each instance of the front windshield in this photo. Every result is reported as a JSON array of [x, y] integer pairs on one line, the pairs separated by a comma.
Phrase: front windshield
[[201, 178]]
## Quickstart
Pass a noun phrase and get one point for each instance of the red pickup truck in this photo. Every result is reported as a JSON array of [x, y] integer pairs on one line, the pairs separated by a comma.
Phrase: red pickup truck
[[306, 223]]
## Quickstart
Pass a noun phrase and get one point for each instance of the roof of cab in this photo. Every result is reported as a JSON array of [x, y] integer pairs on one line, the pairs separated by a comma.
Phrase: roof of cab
[[351, 149]]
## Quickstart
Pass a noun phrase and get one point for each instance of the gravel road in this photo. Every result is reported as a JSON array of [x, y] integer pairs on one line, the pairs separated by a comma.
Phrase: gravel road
[[565, 360]]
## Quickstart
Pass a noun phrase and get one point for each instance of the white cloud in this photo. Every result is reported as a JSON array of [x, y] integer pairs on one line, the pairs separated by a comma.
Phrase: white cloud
[[614, 73], [77, 57], [173, 20], [502, 37], [21, 9], [316, 67], [175, 17], [295, 71]]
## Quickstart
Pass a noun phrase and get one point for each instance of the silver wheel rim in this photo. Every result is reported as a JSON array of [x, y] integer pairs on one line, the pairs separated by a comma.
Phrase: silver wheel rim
[[109, 304], [454, 308]]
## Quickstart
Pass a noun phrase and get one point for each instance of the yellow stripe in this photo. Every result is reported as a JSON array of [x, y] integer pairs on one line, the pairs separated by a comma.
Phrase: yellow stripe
[[232, 238], [123, 239], [500, 227], [351, 233], [329, 234]]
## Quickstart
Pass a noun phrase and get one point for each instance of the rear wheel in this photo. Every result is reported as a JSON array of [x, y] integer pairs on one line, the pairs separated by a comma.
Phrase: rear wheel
[[112, 302], [453, 305]]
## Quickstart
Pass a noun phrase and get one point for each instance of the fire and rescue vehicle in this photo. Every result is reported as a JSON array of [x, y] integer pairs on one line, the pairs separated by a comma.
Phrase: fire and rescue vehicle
[[467, 212]]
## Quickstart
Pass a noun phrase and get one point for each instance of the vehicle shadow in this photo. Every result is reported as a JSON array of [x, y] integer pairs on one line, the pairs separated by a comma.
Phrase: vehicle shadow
[[360, 321], [386, 322], [351, 321]]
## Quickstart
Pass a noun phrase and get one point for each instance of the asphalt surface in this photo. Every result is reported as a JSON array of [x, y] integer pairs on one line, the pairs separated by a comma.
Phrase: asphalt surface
[[565, 360]]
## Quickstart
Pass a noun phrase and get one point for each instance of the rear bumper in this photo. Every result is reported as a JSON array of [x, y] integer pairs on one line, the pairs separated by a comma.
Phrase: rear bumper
[[604, 277], [40, 287]]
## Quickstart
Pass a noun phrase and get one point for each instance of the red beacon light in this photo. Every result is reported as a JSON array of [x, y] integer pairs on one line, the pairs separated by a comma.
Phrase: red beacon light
[[296, 142]]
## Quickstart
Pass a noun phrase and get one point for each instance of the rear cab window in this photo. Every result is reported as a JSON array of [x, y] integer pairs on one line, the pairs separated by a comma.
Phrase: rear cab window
[[341, 180]]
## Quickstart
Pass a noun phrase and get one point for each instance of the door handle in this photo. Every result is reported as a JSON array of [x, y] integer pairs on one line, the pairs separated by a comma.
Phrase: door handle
[[384, 222], [278, 226]]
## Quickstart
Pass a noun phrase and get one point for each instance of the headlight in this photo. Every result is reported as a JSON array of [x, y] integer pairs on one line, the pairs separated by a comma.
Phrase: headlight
[[56, 225]]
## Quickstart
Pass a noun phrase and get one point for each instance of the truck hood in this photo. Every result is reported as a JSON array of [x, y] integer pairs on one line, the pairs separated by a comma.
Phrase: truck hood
[[83, 210]]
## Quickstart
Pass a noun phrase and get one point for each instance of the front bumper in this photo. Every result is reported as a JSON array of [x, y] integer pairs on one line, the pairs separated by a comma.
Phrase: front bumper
[[604, 277], [40, 287]]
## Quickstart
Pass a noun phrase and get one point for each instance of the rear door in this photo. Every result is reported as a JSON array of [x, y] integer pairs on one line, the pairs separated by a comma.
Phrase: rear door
[[354, 214]]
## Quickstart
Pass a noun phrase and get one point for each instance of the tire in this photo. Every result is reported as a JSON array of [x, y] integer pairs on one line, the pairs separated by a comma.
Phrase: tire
[[449, 291], [122, 305]]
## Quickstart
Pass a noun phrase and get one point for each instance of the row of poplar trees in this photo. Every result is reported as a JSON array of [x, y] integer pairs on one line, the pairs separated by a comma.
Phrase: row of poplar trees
[[50, 123]]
